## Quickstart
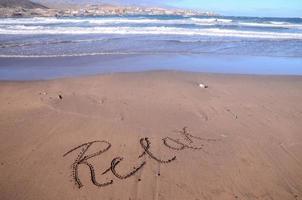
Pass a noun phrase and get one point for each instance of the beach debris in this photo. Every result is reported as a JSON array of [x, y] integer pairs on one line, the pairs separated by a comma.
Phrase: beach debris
[[122, 117], [60, 96], [203, 85], [104, 99], [43, 93], [229, 110]]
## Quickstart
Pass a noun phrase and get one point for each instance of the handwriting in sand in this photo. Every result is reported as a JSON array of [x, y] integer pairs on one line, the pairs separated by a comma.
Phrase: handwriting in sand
[[187, 141]]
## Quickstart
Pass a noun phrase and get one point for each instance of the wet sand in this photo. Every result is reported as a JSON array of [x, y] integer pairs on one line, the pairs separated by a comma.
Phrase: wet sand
[[45, 68], [152, 135]]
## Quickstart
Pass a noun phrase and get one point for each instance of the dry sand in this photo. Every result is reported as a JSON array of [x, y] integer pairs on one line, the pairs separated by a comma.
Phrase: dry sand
[[243, 137]]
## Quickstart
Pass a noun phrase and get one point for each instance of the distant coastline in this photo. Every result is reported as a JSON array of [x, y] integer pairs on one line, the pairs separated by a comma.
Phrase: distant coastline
[[96, 10]]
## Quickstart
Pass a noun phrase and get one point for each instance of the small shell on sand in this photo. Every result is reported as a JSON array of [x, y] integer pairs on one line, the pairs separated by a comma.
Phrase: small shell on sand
[[203, 85]]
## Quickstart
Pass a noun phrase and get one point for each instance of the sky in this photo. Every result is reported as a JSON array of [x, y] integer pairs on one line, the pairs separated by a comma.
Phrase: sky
[[261, 8]]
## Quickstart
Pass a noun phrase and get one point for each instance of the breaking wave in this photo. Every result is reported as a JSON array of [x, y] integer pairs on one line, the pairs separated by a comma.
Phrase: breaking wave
[[21, 29]]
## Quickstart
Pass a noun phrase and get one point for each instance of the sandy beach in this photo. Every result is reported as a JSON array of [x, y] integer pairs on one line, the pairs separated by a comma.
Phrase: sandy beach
[[152, 135]]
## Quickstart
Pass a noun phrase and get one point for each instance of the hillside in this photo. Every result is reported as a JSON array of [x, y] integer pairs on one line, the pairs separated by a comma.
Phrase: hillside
[[20, 3], [100, 2]]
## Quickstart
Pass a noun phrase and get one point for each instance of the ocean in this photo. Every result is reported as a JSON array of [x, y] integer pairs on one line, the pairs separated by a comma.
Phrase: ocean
[[200, 38]]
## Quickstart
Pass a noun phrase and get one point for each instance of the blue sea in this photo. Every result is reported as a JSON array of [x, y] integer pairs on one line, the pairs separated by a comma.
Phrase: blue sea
[[136, 43]]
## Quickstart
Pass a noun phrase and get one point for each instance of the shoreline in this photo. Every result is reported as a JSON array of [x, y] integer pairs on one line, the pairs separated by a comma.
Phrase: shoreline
[[138, 73], [52, 68]]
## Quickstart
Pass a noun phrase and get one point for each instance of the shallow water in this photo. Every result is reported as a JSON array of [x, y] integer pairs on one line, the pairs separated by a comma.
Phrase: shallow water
[[49, 68]]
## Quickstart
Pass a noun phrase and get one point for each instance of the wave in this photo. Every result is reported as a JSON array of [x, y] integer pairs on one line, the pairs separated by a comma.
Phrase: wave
[[114, 20], [38, 21], [271, 24], [211, 20], [278, 23], [13, 45], [102, 21], [151, 31], [97, 54], [23, 27], [71, 55]]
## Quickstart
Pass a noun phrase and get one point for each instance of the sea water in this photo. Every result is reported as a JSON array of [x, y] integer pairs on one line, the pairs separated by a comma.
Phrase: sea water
[[192, 43]]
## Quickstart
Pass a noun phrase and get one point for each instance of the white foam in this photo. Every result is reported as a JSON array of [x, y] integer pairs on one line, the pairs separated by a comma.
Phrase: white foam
[[143, 20], [98, 21], [39, 20], [149, 31], [211, 20], [52, 20], [271, 24], [23, 27], [68, 55], [124, 20], [119, 25], [278, 23]]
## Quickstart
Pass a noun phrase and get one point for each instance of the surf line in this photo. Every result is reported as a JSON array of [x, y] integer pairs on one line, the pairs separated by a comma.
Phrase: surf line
[[187, 141]]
